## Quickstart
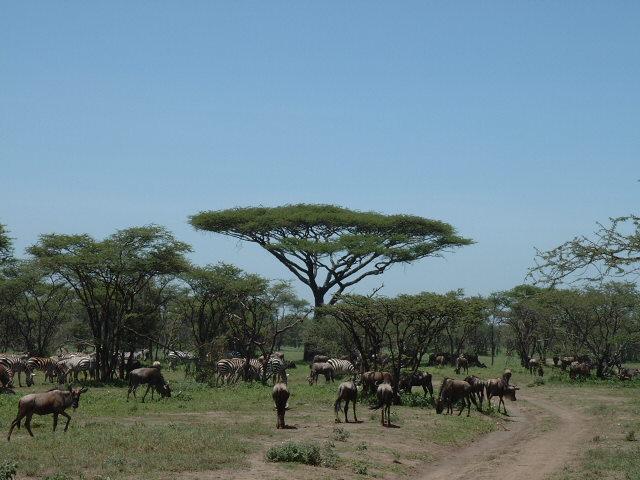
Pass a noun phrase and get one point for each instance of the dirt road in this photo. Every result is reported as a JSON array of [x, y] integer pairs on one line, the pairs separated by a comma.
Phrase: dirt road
[[541, 437]]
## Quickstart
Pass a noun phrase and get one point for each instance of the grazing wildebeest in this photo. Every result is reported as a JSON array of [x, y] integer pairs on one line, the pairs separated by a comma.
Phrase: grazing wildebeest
[[280, 397], [535, 366], [417, 379], [498, 387], [451, 392], [347, 392], [477, 389], [566, 362], [53, 401], [556, 361], [440, 360], [370, 380], [6, 379], [317, 369], [320, 359], [462, 363], [384, 393], [506, 375], [627, 373], [152, 378], [582, 370]]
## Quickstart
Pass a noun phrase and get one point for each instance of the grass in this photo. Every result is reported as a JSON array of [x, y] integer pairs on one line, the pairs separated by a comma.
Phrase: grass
[[225, 429]]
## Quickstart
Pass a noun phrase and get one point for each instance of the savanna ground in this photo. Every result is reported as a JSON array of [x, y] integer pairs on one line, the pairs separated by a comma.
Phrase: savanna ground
[[556, 430]]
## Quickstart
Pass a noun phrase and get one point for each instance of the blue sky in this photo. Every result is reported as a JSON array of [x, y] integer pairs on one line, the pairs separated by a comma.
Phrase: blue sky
[[517, 122]]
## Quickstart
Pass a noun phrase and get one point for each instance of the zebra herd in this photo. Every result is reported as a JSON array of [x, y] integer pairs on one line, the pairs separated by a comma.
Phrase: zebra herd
[[60, 368], [230, 370]]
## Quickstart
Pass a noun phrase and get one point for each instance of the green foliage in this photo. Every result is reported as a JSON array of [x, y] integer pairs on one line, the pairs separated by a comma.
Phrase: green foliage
[[57, 476], [344, 246], [415, 400], [6, 246], [8, 470], [296, 452], [340, 434]]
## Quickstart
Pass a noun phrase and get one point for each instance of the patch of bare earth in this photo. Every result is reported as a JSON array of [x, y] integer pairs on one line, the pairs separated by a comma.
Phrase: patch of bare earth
[[543, 437]]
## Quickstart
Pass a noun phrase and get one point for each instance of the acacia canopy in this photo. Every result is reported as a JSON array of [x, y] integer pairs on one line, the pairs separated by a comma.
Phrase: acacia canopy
[[330, 248]]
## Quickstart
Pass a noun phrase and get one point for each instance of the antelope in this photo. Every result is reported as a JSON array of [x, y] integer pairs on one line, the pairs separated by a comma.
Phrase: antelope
[[385, 399], [150, 377], [318, 369], [498, 387], [347, 392], [53, 401], [451, 391], [280, 397]]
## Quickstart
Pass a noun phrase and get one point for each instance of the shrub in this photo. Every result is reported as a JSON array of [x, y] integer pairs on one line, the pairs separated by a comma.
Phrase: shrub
[[307, 453], [360, 468], [415, 400], [57, 476], [8, 470], [631, 436], [340, 434]]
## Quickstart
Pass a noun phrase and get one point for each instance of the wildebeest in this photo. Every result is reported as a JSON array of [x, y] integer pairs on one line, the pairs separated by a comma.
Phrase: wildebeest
[[498, 387], [535, 366], [384, 393], [566, 361], [6, 378], [317, 369], [347, 392], [477, 389], [280, 397], [582, 370], [320, 359], [370, 380], [152, 378], [451, 392], [506, 375], [627, 373], [462, 364], [417, 379], [52, 402]]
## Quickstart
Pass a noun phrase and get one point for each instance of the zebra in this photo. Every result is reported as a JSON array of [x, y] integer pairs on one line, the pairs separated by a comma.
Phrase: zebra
[[277, 370], [175, 357], [342, 367], [231, 369], [85, 364], [48, 365], [18, 364]]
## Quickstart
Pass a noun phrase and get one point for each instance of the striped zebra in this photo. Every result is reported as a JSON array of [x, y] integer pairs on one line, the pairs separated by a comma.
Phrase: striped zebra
[[48, 365], [276, 369], [18, 364], [176, 357], [79, 364], [231, 369], [342, 367]]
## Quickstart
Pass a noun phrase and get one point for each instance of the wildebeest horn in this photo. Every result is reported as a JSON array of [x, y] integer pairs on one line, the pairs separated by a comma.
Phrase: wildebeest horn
[[84, 390]]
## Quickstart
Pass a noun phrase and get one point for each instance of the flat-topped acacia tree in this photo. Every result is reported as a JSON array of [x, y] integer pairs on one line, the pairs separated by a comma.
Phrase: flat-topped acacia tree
[[330, 248]]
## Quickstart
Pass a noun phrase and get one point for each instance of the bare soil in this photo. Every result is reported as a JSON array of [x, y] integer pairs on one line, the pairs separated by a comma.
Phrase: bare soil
[[542, 437]]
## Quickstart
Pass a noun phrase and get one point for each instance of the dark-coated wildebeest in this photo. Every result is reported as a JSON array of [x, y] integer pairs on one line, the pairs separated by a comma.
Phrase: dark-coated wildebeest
[[152, 378], [52, 402], [506, 375], [462, 364], [535, 366], [451, 392], [497, 387], [417, 379], [6, 378], [582, 370], [347, 392], [385, 395], [280, 397], [477, 389], [370, 380], [317, 369], [320, 359]]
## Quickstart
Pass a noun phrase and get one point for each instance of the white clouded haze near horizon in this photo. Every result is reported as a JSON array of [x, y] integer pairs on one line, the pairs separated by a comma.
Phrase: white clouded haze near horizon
[[516, 122]]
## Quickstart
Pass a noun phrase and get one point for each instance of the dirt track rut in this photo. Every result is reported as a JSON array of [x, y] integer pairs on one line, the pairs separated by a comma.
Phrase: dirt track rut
[[531, 447]]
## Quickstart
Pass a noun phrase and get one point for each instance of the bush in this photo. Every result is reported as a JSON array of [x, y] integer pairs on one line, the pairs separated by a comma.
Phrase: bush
[[631, 436], [307, 453], [57, 476], [415, 400], [8, 470], [340, 434]]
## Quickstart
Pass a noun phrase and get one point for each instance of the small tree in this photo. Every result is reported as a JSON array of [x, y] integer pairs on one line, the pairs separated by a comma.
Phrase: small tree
[[107, 276], [613, 250]]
